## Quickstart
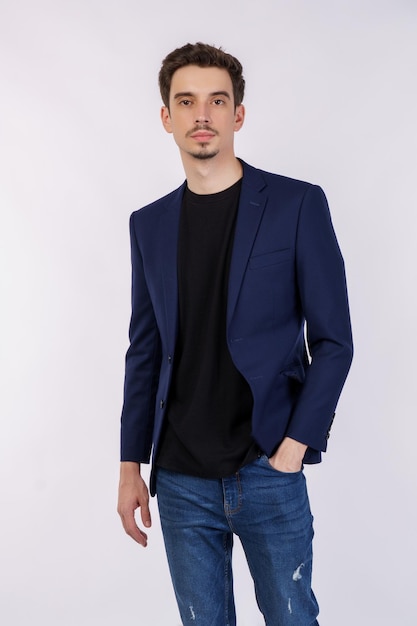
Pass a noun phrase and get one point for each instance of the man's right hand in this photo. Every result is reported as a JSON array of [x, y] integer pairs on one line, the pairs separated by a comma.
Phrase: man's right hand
[[133, 493]]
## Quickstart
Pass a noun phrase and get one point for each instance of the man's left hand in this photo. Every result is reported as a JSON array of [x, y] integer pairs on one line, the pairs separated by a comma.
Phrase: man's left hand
[[289, 456]]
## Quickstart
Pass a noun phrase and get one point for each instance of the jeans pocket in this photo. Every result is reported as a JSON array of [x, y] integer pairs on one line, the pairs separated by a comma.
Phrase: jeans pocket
[[268, 463]]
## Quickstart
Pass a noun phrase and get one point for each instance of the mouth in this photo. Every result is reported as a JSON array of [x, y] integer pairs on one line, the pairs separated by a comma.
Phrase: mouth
[[202, 135]]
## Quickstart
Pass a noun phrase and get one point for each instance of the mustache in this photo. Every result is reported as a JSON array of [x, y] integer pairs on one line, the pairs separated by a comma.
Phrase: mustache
[[199, 127]]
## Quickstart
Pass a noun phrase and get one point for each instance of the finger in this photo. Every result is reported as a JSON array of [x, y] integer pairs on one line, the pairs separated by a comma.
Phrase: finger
[[132, 529], [146, 515]]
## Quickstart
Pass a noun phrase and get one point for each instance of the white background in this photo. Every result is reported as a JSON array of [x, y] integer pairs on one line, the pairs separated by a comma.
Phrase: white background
[[331, 98]]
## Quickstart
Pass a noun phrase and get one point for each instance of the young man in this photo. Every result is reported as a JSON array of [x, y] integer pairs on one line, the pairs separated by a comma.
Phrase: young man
[[227, 270]]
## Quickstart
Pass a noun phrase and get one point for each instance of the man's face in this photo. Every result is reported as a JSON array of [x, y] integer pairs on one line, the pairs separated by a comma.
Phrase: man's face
[[202, 115]]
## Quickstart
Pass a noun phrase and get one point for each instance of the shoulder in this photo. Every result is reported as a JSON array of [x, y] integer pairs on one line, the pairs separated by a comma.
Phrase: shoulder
[[277, 183], [154, 210], [284, 189]]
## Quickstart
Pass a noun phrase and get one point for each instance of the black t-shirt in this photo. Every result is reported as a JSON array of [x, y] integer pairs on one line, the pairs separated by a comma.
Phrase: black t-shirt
[[208, 424]]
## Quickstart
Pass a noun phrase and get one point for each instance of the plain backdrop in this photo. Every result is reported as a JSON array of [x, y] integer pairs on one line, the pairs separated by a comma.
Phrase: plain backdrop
[[332, 99]]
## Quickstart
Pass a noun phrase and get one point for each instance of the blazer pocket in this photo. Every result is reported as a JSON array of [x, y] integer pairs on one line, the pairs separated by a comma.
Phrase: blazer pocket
[[269, 258], [295, 371]]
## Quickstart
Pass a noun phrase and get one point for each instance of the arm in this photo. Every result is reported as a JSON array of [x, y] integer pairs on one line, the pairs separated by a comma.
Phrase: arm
[[143, 360], [323, 297], [141, 379]]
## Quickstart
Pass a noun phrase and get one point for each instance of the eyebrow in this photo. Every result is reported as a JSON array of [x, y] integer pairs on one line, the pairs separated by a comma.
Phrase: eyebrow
[[183, 94]]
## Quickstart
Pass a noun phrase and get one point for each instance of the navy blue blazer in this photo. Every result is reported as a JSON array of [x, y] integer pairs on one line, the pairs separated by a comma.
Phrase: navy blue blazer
[[286, 269]]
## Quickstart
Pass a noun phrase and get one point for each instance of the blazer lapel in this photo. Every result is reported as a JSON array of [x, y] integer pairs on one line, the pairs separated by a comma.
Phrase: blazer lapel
[[251, 207], [168, 253]]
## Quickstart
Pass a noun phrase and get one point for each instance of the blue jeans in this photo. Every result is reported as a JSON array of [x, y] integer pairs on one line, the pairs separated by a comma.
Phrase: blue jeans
[[269, 511]]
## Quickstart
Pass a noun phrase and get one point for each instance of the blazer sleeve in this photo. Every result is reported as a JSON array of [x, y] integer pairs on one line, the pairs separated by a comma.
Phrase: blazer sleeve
[[143, 360], [323, 294]]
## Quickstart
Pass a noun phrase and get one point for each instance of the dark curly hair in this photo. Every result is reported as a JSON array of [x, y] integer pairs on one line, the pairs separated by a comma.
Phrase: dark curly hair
[[203, 55]]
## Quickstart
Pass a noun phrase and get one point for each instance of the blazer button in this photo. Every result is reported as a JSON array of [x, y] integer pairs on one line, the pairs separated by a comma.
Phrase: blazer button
[[161, 404], [169, 359]]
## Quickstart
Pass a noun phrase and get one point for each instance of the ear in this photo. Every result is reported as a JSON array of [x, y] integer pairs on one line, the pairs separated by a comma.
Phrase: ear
[[239, 117], [166, 119]]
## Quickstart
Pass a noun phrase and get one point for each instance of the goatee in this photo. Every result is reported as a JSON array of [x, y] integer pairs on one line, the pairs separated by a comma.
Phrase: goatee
[[202, 155]]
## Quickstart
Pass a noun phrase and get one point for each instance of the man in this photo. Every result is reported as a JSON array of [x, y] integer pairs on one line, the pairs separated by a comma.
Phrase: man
[[227, 270]]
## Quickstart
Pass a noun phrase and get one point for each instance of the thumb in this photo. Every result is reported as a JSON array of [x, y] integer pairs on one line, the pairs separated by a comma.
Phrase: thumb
[[146, 515]]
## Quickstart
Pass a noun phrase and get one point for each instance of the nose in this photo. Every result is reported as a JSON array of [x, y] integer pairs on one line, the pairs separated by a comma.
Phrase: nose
[[202, 114]]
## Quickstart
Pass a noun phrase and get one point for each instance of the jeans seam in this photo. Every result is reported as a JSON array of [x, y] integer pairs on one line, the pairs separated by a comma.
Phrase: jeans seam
[[226, 581], [239, 497]]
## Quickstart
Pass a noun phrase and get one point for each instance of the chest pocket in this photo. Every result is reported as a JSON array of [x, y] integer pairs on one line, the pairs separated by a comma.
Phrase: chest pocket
[[269, 258]]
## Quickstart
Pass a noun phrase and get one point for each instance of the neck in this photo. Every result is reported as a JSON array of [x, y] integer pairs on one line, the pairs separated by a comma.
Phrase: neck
[[211, 175]]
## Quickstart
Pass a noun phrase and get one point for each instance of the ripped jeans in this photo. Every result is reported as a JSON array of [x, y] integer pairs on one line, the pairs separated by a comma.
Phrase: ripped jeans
[[270, 513]]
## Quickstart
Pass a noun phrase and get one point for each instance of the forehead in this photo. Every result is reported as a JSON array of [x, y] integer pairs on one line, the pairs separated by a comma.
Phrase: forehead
[[200, 80]]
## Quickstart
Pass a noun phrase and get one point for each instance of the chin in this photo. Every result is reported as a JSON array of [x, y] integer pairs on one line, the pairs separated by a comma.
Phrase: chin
[[203, 155]]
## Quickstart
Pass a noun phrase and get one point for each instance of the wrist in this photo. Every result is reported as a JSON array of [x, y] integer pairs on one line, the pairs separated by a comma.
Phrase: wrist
[[129, 470], [296, 446]]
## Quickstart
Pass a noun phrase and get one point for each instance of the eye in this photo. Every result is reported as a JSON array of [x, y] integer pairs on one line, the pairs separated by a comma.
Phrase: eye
[[218, 101], [185, 102]]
